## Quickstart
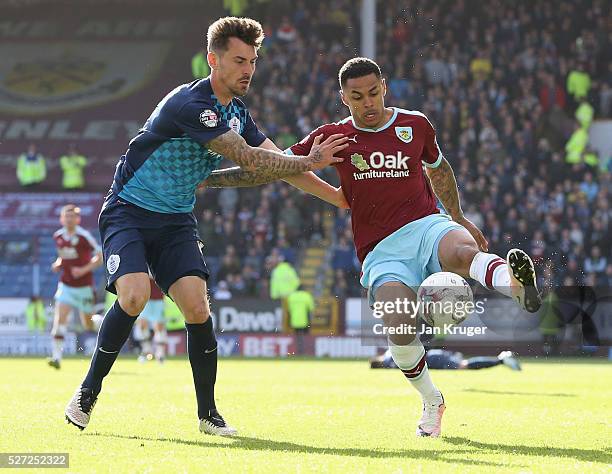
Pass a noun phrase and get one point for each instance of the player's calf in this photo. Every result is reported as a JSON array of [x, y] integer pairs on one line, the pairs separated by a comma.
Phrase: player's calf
[[160, 340], [58, 334], [514, 277]]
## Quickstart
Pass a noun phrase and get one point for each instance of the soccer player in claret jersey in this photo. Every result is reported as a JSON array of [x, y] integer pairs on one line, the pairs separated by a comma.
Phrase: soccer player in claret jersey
[[146, 222], [150, 329], [78, 254], [400, 235]]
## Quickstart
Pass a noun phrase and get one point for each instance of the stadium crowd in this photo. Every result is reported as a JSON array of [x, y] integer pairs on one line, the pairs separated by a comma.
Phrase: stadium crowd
[[494, 81], [506, 87]]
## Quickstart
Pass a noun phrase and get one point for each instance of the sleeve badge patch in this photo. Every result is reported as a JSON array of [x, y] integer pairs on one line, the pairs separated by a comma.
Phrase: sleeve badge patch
[[209, 118]]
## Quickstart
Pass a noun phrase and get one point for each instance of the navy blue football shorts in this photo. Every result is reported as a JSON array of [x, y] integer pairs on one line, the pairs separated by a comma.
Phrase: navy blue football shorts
[[137, 240]]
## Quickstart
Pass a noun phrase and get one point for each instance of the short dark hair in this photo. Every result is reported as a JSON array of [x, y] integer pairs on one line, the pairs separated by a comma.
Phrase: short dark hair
[[245, 29], [358, 67]]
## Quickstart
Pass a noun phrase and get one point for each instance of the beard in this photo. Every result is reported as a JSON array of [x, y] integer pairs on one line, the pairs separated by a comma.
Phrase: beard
[[239, 91]]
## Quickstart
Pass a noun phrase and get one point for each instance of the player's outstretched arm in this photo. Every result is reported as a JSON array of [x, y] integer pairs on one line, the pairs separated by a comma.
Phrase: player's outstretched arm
[[444, 185], [236, 177], [310, 183], [307, 182], [273, 164]]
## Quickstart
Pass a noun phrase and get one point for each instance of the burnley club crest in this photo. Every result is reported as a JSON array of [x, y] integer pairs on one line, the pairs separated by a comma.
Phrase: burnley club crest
[[404, 134]]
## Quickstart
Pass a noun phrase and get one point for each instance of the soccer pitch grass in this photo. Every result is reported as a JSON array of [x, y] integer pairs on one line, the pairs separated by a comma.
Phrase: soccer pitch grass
[[315, 416]]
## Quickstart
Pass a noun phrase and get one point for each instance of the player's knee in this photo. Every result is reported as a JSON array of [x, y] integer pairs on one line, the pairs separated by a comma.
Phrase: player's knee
[[58, 331], [133, 301], [464, 254], [196, 312], [133, 291]]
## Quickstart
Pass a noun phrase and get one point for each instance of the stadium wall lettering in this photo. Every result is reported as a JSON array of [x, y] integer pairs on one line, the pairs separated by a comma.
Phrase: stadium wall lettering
[[250, 315], [28, 343], [36, 212]]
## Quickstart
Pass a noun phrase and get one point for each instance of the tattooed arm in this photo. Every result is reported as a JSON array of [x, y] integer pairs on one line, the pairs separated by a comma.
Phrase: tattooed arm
[[307, 182], [444, 185], [237, 177], [271, 164]]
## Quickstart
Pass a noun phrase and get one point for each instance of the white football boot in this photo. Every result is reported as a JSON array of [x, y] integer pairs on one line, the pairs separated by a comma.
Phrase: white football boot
[[509, 359], [431, 421], [79, 408], [214, 424]]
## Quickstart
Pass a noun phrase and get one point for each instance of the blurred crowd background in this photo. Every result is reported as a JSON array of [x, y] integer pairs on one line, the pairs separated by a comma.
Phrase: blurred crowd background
[[512, 88], [504, 86]]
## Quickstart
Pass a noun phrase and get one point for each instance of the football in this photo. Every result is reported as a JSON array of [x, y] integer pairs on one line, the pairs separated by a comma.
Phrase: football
[[445, 298]]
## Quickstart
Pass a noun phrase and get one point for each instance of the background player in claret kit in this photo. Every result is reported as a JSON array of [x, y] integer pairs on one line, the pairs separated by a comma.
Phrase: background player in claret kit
[[400, 235], [78, 256], [146, 222], [150, 329]]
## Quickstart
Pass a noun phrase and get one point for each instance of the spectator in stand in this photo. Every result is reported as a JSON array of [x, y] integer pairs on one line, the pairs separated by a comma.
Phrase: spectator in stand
[[72, 165], [251, 277], [589, 187], [286, 32], [579, 82], [228, 200], [284, 279], [237, 284], [36, 316], [290, 215], [31, 167], [342, 258], [300, 306], [199, 65], [222, 293], [230, 264], [286, 251], [595, 263], [206, 227], [285, 137], [341, 288]]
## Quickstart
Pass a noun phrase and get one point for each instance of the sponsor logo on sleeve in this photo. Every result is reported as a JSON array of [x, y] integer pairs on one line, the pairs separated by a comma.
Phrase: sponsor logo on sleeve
[[209, 118]]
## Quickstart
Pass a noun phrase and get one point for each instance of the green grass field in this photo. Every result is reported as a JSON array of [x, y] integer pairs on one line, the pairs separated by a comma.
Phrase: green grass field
[[315, 416]]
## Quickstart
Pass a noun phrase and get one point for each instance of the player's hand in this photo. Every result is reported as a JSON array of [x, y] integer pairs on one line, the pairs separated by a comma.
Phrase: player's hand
[[322, 154], [56, 266], [78, 272], [483, 245]]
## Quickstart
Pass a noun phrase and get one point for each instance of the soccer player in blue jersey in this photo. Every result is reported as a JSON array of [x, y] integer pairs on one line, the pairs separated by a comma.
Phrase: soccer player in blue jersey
[[146, 221]]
